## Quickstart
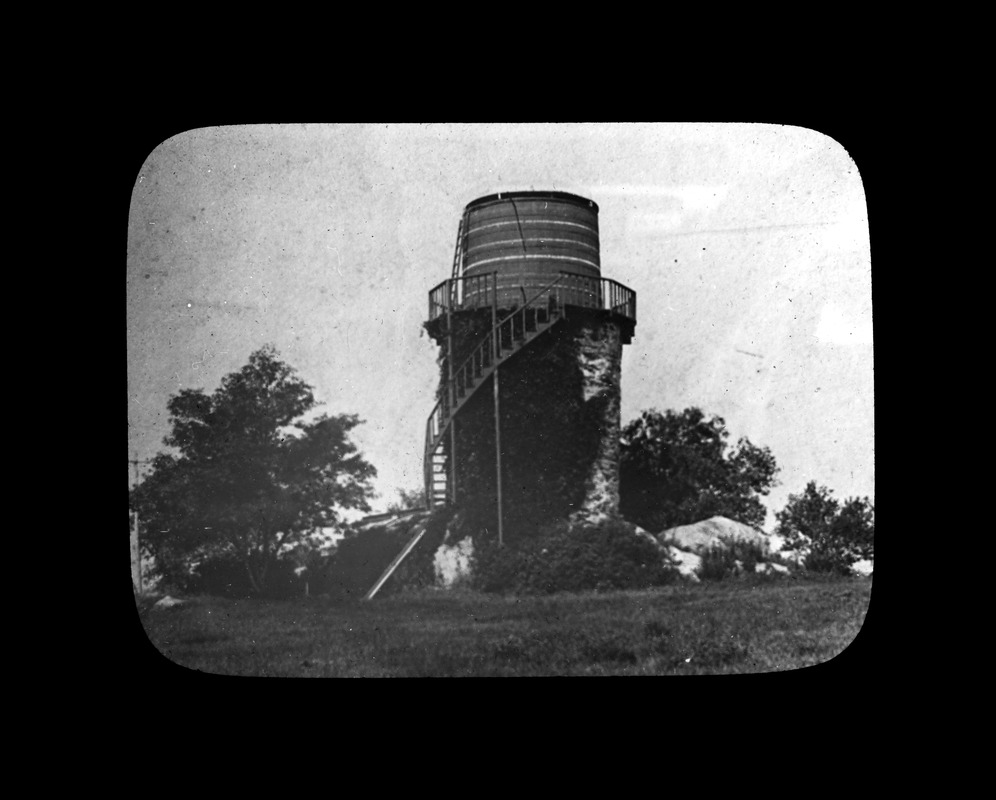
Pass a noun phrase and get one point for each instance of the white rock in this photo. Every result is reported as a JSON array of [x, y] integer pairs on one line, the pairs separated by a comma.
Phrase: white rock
[[168, 602], [864, 567], [766, 568], [687, 563], [451, 562], [700, 536]]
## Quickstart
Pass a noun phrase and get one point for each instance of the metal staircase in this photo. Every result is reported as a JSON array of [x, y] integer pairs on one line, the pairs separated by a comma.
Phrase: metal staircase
[[506, 338]]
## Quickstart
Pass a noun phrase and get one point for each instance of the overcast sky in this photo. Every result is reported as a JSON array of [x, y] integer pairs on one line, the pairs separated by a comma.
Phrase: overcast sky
[[747, 246]]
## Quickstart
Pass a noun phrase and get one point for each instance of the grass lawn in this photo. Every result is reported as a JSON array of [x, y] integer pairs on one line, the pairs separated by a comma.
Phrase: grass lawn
[[736, 626]]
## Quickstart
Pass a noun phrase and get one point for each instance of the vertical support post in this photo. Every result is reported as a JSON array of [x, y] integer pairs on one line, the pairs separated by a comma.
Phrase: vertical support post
[[451, 395], [452, 459], [494, 320], [498, 458], [449, 357], [494, 377], [427, 464]]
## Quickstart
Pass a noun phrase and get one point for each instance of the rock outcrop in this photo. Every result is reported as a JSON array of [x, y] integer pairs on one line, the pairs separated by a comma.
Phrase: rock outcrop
[[686, 563], [700, 536]]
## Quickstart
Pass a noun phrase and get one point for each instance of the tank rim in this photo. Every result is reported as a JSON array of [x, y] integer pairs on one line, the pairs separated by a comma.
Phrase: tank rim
[[554, 195]]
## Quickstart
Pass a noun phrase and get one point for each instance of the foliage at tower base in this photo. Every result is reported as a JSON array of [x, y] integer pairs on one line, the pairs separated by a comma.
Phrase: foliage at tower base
[[677, 468], [833, 536], [251, 480], [573, 557]]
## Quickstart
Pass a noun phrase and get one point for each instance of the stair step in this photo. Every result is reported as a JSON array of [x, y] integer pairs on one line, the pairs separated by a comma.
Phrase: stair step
[[489, 362]]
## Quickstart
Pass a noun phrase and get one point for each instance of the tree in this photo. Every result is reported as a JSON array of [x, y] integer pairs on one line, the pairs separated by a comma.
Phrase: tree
[[834, 535], [407, 499], [250, 479], [676, 469]]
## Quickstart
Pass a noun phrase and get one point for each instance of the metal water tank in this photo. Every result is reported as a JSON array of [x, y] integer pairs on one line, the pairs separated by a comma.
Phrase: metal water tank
[[529, 238]]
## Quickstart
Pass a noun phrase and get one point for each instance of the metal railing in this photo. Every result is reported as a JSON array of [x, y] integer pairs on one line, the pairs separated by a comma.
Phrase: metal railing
[[605, 294], [481, 291], [463, 293]]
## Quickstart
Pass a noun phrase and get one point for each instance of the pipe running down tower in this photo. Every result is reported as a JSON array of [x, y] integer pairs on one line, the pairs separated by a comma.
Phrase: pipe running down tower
[[530, 338]]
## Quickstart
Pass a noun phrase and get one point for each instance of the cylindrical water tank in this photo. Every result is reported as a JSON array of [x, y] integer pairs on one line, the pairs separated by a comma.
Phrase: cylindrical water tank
[[529, 238]]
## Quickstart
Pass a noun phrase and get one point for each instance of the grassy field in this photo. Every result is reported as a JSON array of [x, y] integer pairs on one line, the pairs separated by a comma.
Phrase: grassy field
[[738, 626]]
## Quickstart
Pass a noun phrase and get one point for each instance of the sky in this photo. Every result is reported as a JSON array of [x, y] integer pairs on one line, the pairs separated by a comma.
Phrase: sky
[[747, 245]]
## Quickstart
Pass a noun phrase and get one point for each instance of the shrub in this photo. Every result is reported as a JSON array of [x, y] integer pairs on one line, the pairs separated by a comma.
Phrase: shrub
[[836, 535], [720, 561], [566, 558], [227, 577], [827, 560]]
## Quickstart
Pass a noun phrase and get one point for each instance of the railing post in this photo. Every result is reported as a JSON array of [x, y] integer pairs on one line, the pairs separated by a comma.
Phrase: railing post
[[453, 462], [427, 464], [495, 335]]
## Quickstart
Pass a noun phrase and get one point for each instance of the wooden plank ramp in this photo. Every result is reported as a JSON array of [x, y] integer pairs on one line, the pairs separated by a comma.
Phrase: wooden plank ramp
[[420, 530]]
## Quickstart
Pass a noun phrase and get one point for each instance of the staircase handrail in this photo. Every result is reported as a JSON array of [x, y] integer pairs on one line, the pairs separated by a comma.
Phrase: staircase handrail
[[487, 338], [497, 326], [442, 296], [432, 437]]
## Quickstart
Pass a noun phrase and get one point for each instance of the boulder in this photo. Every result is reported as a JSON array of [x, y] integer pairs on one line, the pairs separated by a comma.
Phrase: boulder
[[776, 542], [452, 562], [700, 536], [767, 568], [864, 567], [168, 602], [686, 563]]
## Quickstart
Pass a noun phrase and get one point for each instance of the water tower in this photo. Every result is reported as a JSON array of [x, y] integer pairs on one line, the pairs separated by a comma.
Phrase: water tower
[[530, 336]]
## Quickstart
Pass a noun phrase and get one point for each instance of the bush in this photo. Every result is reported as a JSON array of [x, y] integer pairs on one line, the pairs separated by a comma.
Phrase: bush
[[227, 577], [566, 558], [828, 560], [836, 535], [720, 561]]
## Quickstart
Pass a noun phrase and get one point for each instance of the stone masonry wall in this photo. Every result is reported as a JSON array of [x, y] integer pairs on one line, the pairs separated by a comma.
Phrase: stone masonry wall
[[599, 351], [560, 426]]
